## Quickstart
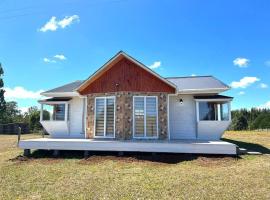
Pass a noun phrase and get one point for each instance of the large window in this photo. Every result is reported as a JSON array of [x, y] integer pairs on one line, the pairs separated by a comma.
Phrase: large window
[[104, 117], [213, 111], [145, 117]]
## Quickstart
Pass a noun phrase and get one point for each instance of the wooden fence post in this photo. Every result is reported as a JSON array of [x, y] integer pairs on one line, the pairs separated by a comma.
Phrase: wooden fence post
[[19, 135]]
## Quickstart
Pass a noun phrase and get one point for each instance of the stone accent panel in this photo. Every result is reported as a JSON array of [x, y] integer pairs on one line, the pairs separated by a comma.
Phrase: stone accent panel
[[124, 114]]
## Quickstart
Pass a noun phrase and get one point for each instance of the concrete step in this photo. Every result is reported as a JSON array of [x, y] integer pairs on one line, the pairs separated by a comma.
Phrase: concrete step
[[242, 151], [254, 153]]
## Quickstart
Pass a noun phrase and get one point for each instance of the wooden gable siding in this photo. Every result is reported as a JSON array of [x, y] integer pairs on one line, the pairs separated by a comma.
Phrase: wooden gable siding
[[127, 76]]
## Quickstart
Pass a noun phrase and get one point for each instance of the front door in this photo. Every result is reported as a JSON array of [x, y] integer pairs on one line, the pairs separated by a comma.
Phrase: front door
[[182, 117]]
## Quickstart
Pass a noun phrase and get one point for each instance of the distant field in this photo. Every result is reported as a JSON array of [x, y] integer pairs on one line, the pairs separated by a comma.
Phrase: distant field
[[137, 176]]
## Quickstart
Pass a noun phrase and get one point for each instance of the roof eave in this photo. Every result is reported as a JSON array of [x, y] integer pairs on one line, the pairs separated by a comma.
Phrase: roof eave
[[60, 94], [203, 91]]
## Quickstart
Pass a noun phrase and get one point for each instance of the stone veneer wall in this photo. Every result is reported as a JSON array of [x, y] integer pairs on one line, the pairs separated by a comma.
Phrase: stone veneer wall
[[124, 113]]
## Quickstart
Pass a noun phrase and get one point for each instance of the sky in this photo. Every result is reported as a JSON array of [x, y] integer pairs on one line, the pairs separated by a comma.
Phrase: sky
[[45, 44]]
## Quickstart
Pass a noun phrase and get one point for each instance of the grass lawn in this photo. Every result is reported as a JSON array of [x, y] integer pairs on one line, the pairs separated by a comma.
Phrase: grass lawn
[[137, 176]]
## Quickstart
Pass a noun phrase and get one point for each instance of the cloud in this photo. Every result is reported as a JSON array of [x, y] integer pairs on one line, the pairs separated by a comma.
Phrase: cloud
[[60, 57], [47, 60], [19, 92], [53, 24], [23, 109], [241, 93], [241, 62], [155, 65], [193, 75], [263, 85], [266, 105], [244, 82]]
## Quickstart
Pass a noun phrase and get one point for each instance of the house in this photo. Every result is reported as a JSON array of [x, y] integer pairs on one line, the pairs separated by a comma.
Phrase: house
[[125, 106]]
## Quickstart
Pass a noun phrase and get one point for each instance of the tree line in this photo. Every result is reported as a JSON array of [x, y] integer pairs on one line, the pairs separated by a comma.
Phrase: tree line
[[252, 119]]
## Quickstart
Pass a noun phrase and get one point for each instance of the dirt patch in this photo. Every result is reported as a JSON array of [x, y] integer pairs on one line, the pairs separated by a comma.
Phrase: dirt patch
[[23, 159], [215, 161]]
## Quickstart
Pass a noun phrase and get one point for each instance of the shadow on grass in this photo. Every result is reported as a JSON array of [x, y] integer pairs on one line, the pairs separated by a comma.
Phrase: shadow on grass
[[249, 146], [97, 156]]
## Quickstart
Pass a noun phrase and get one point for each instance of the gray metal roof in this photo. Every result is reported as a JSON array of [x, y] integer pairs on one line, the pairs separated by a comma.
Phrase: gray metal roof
[[70, 87], [197, 83]]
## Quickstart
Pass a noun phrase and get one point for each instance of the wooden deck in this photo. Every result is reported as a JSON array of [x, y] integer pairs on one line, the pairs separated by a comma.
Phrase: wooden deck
[[165, 146]]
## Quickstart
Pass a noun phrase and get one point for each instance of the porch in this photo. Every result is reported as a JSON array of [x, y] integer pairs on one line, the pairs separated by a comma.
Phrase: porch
[[159, 146]]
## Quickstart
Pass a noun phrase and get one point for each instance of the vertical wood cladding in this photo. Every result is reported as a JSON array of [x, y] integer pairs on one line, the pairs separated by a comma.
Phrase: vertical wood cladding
[[127, 76]]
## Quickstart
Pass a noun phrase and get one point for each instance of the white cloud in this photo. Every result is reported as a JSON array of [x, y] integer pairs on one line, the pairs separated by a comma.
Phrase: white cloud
[[19, 92], [47, 60], [241, 93], [23, 109], [155, 65], [68, 20], [266, 105], [263, 85], [241, 62], [193, 75], [244, 82], [60, 57], [53, 24]]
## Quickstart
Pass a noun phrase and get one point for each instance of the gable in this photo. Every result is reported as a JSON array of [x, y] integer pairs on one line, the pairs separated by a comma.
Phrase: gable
[[125, 75]]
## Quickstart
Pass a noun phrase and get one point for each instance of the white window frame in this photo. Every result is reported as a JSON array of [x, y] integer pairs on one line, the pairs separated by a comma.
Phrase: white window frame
[[54, 103], [219, 101], [145, 137], [105, 119]]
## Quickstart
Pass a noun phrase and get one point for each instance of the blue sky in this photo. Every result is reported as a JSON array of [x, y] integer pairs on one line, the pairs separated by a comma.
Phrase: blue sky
[[227, 39]]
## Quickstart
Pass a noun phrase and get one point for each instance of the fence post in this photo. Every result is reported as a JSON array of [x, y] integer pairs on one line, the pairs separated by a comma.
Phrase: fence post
[[19, 135]]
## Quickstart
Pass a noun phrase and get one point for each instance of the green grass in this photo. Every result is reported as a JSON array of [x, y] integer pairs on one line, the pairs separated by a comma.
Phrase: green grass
[[136, 176]]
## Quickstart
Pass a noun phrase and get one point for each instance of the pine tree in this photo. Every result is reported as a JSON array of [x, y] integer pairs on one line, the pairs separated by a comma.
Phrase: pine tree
[[2, 98]]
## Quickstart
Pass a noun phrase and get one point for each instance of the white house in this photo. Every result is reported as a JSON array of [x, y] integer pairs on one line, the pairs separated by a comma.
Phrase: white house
[[125, 106]]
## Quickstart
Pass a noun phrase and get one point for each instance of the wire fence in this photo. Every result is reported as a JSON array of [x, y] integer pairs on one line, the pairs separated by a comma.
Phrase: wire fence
[[13, 128]]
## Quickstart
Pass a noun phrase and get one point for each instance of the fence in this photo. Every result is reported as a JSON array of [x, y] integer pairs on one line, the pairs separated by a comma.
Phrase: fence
[[12, 128]]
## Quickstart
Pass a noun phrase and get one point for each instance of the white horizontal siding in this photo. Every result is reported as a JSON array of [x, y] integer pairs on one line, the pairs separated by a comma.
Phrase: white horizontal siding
[[182, 117], [212, 130]]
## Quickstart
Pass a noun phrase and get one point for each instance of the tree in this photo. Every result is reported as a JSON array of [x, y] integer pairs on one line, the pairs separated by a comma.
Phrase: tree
[[240, 123], [2, 97], [12, 114]]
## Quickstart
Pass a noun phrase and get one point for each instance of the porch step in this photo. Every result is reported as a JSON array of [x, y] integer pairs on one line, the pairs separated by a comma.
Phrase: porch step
[[254, 153], [242, 151]]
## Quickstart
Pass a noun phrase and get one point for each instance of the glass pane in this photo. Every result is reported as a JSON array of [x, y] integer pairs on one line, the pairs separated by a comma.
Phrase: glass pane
[[151, 117], [100, 117], [47, 112], [139, 116], [224, 111], [59, 112], [110, 117], [208, 111]]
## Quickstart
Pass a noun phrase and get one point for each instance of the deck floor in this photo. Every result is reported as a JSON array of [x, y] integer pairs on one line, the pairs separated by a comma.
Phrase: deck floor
[[165, 146]]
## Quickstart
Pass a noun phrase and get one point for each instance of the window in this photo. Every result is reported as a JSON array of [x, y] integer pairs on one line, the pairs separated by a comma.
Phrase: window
[[104, 116], [54, 112], [145, 117], [213, 111]]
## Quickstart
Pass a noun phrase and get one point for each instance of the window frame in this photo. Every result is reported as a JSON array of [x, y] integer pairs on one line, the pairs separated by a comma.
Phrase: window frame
[[105, 114], [218, 102], [144, 114]]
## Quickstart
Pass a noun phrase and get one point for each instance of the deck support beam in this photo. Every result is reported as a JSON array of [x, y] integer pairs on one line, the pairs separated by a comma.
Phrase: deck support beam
[[86, 154], [120, 153], [56, 153], [27, 152]]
